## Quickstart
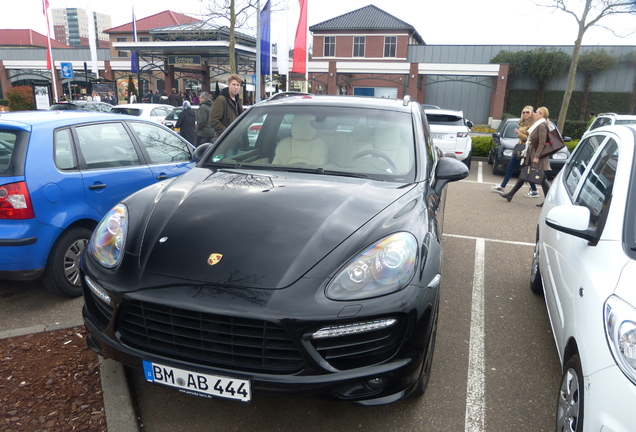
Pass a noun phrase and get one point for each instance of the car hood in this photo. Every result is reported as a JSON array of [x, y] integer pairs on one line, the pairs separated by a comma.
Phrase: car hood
[[266, 231]]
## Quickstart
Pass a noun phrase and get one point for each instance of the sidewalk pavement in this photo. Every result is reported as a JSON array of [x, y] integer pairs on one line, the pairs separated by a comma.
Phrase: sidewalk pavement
[[118, 405]]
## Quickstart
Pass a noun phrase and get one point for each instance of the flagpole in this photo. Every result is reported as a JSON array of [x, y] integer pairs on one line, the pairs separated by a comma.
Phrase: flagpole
[[51, 66], [307, 53], [257, 96]]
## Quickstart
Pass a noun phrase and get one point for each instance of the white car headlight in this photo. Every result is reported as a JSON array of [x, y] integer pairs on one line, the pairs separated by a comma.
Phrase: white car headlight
[[109, 238], [560, 156], [385, 267], [620, 329], [508, 152]]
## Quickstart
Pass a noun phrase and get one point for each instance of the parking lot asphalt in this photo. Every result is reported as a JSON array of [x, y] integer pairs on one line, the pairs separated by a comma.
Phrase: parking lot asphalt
[[502, 225]]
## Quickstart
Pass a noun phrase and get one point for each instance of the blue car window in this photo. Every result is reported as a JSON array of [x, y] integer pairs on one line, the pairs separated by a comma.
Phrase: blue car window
[[106, 145], [64, 156], [7, 144], [161, 145]]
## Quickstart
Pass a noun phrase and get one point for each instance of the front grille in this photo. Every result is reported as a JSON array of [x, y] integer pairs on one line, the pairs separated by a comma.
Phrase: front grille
[[208, 339], [362, 349]]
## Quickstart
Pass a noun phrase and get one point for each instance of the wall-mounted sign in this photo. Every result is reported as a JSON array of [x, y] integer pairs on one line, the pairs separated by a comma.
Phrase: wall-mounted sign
[[185, 60]]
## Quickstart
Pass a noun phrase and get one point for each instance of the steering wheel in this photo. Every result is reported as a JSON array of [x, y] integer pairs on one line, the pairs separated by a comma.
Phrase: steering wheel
[[378, 154]]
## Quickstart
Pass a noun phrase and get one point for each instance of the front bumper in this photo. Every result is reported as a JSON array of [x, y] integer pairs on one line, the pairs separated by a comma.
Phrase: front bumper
[[609, 400], [384, 375]]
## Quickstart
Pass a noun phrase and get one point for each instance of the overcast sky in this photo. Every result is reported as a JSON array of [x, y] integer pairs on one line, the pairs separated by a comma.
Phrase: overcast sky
[[446, 22]]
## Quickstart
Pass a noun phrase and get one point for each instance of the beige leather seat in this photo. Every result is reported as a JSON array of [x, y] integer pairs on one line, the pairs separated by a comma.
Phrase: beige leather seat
[[302, 146], [388, 140]]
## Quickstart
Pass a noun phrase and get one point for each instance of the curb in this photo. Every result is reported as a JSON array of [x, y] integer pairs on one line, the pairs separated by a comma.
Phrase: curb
[[118, 406]]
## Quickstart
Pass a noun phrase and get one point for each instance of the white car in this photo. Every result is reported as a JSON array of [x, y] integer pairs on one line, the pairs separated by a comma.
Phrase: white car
[[451, 133], [155, 112], [609, 119], [585, 264]]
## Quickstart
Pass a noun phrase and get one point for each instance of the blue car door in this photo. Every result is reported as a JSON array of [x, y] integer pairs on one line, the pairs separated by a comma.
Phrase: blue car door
[[112, 168], [167, 153]]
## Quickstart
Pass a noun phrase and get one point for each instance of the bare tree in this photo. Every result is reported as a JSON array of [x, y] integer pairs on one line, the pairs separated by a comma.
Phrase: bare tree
[[593, 11], [236, 14]]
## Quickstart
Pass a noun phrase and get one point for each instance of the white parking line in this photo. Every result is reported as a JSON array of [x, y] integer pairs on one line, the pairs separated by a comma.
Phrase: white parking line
[[480, 172], [475, 388], [475, 401]]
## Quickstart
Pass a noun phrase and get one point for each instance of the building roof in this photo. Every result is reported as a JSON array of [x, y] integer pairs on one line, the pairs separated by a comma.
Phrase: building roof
[[367, 18], [161, 19], [27, 38]]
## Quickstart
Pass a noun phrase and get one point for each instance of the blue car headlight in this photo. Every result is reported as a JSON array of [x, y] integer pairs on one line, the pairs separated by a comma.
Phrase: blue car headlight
[[384, 267], [107, 243]]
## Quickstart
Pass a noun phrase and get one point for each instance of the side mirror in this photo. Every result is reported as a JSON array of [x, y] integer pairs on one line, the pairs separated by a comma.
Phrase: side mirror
[[496, 135], [572, 220], [200, 151], [567, 139], [469, 124], [448, 170]]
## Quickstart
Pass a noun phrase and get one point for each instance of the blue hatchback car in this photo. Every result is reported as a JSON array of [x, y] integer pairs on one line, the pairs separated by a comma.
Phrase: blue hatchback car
[[60, 172]]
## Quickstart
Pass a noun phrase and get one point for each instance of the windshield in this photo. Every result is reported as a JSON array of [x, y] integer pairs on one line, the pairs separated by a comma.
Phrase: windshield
[[509, 132], [325, 140], [129, 111], [444, 119]]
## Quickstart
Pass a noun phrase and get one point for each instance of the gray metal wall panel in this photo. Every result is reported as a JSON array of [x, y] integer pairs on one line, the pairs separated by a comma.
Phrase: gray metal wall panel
[[472, 98]]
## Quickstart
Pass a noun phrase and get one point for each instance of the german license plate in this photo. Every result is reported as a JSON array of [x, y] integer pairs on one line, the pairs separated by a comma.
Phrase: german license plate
[[197, 383]]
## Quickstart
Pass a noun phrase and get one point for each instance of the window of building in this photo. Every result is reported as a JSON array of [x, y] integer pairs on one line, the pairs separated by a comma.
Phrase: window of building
[[358, 46], [330, 46], [121, 53], [390, 46], [144, 39]]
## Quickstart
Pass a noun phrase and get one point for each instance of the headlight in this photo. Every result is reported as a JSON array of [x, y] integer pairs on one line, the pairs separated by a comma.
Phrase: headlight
[[620, 329], [508, 152], [560, 156], [385, 267], [109, 238]]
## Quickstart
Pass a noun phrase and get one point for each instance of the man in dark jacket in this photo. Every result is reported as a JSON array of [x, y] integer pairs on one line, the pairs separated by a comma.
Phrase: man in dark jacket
[[174, 99], [205, 132], [186, 123], [227, 107]]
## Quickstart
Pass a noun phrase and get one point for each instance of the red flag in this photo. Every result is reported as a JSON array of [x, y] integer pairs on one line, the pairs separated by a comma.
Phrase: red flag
[[49, 55], [300, 42]]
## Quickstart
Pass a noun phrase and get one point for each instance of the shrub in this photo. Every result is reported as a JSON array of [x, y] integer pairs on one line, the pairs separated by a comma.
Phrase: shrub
[[481, 145], [20, 98]]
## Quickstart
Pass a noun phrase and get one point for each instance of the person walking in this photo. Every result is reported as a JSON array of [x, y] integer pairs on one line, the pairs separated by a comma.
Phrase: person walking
[[110, 98], [174, 99], [537, 137], [526, 120], [205, 131], [227, 107], [186, 123]]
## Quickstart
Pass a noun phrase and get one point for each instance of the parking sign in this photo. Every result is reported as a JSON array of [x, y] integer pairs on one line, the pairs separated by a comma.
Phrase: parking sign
[[67, 70]]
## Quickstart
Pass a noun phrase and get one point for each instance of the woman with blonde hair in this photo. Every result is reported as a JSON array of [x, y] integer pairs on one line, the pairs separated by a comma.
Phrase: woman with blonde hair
[[537, 137], [524, 123]]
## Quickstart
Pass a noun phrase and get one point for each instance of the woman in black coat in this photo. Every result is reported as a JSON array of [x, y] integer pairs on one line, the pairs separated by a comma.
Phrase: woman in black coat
[[187, 123]]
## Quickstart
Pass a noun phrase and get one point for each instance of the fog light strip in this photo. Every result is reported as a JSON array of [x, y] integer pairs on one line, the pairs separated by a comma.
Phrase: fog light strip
[[98, 291], [348, 329]]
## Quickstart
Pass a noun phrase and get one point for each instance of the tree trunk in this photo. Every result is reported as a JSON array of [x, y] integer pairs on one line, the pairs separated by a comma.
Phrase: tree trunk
[[232, 45], [571, 76], [586, 96]]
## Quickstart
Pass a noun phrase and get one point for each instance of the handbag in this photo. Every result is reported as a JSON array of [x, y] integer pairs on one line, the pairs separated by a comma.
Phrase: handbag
[[532, 175], [517, 150], [553, 144]]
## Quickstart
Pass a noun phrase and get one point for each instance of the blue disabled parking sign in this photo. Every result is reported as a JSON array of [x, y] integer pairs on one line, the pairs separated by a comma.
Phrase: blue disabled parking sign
[[67, 70]]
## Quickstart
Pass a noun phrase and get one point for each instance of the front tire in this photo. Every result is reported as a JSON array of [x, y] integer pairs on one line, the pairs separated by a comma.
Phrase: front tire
[[569, 416], [62, 276]]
